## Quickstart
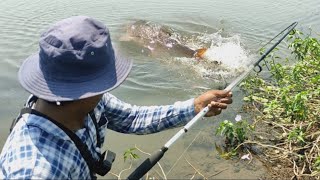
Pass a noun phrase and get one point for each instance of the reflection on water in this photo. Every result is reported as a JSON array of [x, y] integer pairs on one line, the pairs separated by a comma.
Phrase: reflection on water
[[232, 30]]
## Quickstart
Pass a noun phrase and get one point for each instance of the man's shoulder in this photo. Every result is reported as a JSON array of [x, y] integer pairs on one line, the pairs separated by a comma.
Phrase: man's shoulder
[[40, 134], [31, 151]]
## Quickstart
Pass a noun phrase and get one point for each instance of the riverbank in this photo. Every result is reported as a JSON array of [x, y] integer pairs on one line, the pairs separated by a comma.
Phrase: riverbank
[[286, 112]]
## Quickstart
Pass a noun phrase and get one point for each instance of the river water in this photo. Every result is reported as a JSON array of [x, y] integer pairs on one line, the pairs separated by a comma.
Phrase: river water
[[233, 31]]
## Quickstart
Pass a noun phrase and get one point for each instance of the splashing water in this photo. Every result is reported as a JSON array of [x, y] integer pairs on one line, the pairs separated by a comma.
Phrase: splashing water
[[228, 53], [227, 58]]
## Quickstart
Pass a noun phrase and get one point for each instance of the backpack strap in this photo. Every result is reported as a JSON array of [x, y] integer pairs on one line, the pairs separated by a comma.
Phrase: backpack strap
[[31, 100], [101, 166], [15, 121], [94, 120]]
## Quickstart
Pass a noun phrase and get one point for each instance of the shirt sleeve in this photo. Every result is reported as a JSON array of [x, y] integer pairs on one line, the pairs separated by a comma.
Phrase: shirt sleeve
[[126, 118]]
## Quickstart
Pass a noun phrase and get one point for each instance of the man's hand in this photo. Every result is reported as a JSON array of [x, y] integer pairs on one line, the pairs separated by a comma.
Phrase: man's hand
[[216, 100]]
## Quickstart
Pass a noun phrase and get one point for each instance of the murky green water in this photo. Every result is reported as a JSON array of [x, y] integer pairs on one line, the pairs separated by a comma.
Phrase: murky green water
[[153, 80]]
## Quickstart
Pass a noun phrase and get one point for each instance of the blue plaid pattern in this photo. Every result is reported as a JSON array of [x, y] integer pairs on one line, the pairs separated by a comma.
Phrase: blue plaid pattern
[[38, 149]]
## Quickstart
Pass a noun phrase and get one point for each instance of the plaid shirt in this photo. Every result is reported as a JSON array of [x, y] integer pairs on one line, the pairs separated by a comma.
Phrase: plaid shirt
[[38, 149]]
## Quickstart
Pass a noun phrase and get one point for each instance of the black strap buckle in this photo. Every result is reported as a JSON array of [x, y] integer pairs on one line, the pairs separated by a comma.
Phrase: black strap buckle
[[105, 163]]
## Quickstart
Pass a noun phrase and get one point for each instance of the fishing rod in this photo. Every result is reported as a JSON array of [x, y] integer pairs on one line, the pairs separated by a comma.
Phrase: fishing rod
[[146, 165]]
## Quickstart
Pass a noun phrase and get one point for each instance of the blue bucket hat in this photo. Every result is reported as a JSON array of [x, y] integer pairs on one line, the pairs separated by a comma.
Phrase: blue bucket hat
[[76, 60]]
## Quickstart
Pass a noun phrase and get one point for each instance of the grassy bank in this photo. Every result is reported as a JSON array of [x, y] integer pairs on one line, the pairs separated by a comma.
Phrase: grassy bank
[[285, 111]]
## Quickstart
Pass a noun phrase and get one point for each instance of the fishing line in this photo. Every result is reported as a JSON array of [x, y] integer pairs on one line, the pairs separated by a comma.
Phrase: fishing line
[[184, 152], [265, 63], [276, 36]]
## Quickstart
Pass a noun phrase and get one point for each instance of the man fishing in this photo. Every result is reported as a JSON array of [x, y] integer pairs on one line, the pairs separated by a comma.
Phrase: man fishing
[[60, 132]]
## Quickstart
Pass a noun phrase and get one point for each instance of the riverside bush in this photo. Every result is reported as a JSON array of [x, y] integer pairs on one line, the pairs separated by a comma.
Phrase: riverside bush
[[286, 109]]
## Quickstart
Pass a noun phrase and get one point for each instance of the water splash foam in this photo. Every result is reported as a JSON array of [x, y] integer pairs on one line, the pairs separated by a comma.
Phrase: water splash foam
[[230, 54]]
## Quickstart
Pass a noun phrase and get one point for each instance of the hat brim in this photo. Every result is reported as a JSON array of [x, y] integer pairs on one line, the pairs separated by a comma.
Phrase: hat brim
[[32, 79]]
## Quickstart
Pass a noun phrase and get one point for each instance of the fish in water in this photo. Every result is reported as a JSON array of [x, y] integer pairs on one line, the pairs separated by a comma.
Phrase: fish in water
[[161, 38]]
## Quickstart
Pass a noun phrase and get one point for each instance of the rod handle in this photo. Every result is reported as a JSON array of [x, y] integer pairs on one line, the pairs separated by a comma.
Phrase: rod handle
[[147, 164]]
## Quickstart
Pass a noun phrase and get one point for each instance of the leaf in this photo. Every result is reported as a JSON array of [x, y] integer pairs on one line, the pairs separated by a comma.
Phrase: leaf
[[300, 138], [135, 156], [264, 100]]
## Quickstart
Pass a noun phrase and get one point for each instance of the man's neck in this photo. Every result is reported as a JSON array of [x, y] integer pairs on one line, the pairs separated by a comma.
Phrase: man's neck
[[68, 115]]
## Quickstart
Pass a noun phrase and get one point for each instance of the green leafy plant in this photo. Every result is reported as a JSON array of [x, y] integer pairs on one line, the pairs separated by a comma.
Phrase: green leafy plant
[[295, 106], [317, 164], [129, 153], [234, 133], [304, 47], [297, 135]]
